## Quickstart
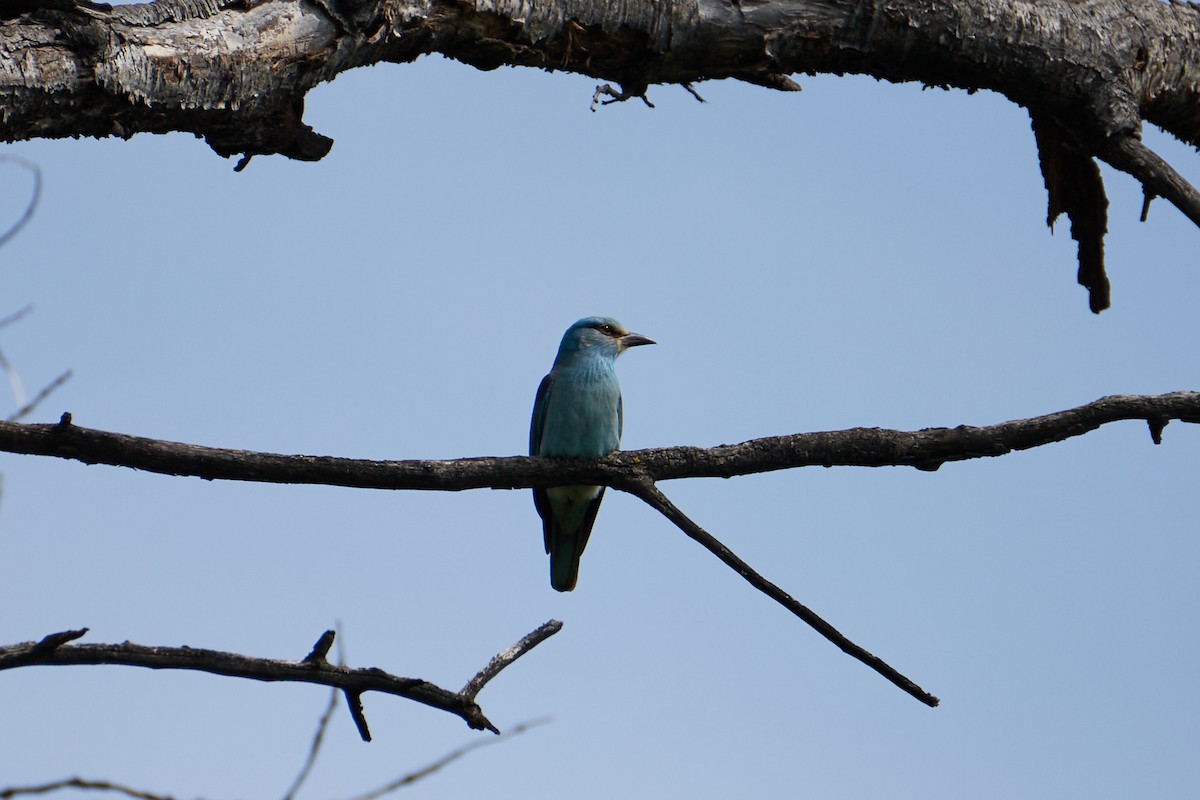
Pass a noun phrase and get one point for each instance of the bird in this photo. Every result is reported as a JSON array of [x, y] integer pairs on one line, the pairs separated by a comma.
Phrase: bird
[[578, 414]]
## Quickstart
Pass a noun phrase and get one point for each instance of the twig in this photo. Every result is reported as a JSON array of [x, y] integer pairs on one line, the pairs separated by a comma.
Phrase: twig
[[315, 748], [454, 755], [53, 650], [14, 380], [506, 657], [321, 648], [80, 783], [354, 703], [1147, 197], [619, 97], [16, 315], [29, 407], [1129, 154], [399, 783], [31, 206], [647, 491], [318, 653]]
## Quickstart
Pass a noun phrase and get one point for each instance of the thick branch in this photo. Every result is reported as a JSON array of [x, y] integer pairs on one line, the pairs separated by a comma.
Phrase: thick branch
[[53, 650], [236, 72], [925, 449]]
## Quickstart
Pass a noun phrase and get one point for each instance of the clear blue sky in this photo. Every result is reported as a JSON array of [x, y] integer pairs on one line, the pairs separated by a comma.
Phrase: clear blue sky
[[857, 254]]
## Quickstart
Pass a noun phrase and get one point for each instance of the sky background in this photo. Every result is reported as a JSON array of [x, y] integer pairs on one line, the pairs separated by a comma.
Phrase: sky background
[[857, 254]]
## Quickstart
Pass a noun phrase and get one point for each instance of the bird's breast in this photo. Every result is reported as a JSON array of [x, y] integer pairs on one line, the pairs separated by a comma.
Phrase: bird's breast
[[582, 418]]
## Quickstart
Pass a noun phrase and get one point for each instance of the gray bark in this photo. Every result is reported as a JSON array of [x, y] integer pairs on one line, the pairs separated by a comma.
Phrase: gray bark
[[54, 650], [236, 72], [637, 472]]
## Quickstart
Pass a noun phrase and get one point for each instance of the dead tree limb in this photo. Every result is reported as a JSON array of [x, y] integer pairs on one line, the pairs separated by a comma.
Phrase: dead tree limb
[[635, 472], [925, 449], [6, 793], [54, 650], [236, 73], [651, 494]]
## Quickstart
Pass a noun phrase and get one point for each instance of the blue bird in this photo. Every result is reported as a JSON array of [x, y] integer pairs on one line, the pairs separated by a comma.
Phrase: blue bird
[[577, 414]]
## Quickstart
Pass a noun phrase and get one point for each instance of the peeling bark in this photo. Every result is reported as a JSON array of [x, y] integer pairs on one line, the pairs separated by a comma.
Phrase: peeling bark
[[236, 72]]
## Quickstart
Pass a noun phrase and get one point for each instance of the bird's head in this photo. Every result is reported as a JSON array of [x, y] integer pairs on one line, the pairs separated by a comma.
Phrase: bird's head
[[603, 335]]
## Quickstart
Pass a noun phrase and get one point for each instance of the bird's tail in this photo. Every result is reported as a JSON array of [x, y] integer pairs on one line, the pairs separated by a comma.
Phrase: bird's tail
[[564, 564], [566, 533]]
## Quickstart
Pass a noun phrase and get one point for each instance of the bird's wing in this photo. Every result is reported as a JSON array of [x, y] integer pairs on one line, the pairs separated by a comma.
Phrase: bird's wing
[[620, 418], [585, 530], [540, 404], [541, 500]]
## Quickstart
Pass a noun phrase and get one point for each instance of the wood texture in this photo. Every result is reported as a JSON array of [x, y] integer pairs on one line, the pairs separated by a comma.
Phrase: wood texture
[[236, 72]]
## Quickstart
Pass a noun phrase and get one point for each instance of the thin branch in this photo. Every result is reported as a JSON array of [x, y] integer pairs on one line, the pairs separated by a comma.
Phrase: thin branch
[[1130, 154], [620, 97], [647, 491], [315, 748], [16, 315], [319, 651], [354, 703], [692, 91], [29, 407], [14, 380], [388, 788], [321, 648], [36, 195], [925, 449], [53, 650], [454, 755], [506, 657], [80, 783]]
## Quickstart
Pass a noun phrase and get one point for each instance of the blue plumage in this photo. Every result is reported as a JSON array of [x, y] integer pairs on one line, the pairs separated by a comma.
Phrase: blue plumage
[[578, 414]]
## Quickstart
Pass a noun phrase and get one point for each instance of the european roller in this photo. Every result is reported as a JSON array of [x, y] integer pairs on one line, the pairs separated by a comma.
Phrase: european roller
[[578, 414]]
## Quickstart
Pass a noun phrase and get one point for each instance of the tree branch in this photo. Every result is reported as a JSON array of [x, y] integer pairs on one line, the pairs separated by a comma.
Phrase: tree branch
[[319, 652], [399, 783], [236, 73], [506, 657], [650, 493], [45, 392], [80, 783], [635, 472], [1131, 155], [925, 449], [34, 196], [453, 755], [53, 650]]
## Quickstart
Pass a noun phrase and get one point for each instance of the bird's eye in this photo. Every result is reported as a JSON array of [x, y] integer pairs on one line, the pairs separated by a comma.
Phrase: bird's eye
[[607, 329]]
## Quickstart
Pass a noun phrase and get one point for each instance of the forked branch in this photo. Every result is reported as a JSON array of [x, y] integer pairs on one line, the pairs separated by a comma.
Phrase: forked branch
[[236, 73], [635, 472], [55, 650], [925, 449]]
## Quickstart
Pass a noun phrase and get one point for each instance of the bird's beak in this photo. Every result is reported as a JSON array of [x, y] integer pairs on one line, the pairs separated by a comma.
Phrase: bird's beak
[[634, 339]]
